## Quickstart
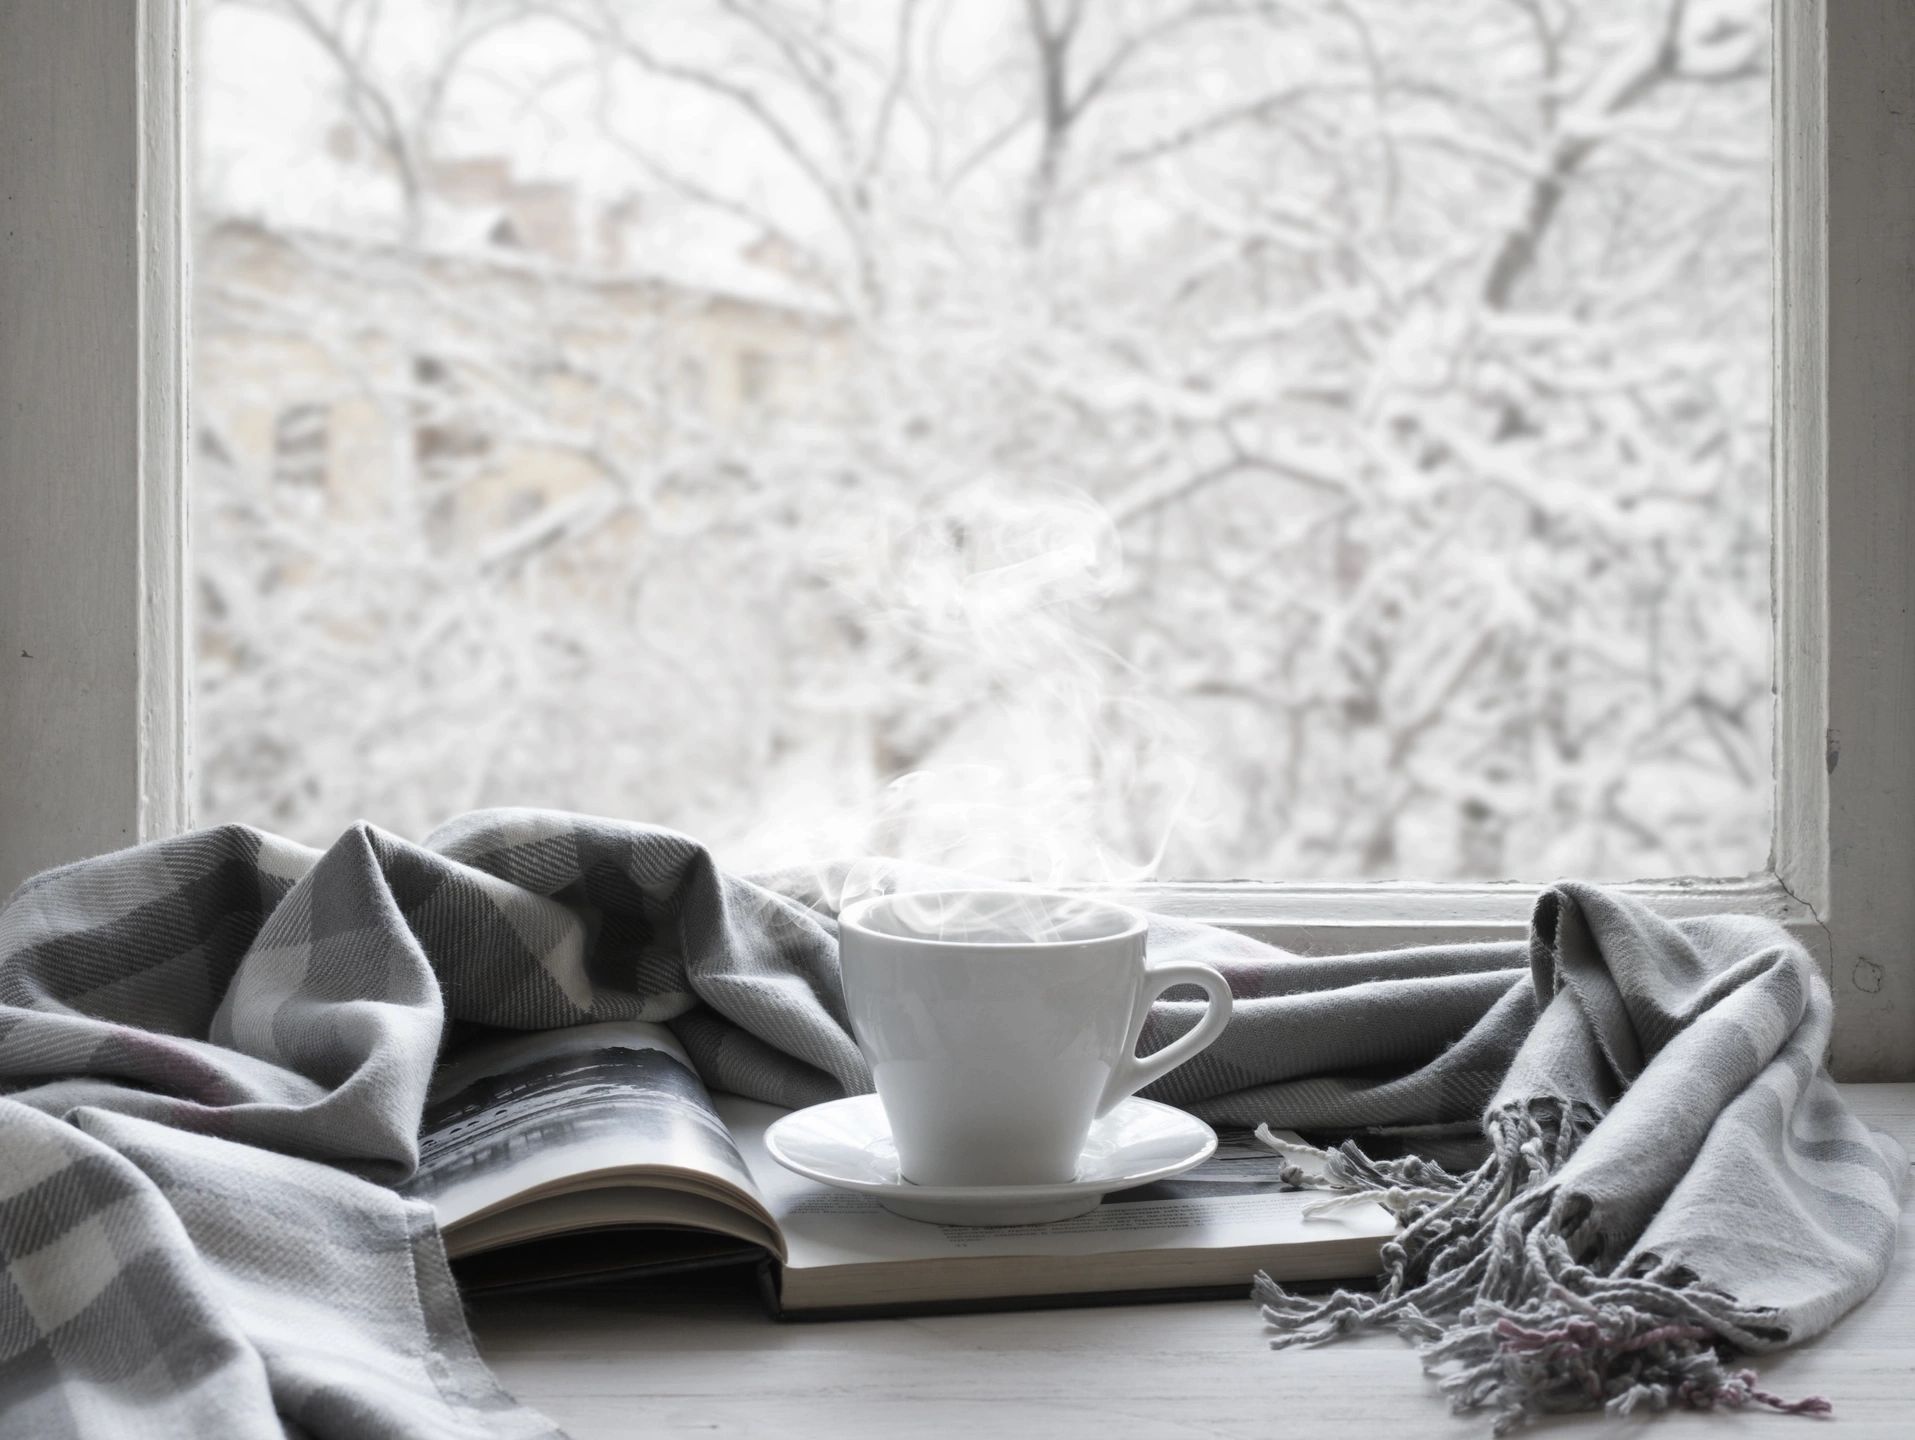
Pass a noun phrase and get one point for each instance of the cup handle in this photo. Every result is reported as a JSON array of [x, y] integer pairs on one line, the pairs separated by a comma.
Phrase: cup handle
[[1134, 1073]]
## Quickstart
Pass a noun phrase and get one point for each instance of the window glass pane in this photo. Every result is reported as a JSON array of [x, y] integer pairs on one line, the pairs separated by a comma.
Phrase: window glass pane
[[1317, 440]]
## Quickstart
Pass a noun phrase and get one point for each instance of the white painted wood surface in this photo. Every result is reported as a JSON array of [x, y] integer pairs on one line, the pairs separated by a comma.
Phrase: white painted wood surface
[[91, 661], [69, 585], [1870, 516], [1341, 919], [607, 1366], [1799, 508], [164, 342]]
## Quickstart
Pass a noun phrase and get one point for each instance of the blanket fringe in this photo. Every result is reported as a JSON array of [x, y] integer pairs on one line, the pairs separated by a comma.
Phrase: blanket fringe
[[1487, 1279]]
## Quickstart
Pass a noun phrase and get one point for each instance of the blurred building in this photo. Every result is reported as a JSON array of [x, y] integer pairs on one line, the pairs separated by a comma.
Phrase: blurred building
[[502, 358]]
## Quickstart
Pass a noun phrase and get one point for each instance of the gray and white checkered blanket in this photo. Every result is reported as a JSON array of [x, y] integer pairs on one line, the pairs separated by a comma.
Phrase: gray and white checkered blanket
[[214, 1051]]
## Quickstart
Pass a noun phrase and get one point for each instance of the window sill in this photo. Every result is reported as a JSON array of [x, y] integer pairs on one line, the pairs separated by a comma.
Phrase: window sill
[[1332, 919]]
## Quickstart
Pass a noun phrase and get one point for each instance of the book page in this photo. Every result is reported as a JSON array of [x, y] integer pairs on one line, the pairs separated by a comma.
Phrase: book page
[[583, 1211], [555, 1111], [1234, 1200]]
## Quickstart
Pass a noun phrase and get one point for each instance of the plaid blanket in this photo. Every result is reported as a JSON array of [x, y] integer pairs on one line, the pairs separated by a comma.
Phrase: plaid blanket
[[214, 1051]]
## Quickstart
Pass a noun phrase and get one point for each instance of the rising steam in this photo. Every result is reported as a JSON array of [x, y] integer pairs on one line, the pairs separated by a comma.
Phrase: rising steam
[[1026, 750], [1013, 916]]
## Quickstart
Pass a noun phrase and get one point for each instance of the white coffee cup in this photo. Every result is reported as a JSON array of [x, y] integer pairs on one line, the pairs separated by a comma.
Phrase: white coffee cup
[[1000, 1024]]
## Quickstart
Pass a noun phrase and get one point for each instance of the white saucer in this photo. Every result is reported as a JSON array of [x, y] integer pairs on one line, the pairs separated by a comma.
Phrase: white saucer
[[847, 1143]]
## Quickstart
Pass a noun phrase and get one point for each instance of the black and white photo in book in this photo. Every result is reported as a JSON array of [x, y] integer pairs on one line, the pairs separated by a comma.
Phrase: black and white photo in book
[[571, 1101]]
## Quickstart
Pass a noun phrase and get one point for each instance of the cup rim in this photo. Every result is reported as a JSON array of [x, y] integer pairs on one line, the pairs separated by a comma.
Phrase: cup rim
[[1133, 921]]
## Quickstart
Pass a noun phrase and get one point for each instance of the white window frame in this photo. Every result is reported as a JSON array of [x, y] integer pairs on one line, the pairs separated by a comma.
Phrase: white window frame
[[93, 429], [93, 360]]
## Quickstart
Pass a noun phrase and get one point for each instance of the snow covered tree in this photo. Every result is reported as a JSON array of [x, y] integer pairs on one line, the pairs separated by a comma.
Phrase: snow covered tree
[[1192, 437]]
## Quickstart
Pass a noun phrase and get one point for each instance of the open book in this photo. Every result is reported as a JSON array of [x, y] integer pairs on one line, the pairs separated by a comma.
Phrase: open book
[[594, 1153]]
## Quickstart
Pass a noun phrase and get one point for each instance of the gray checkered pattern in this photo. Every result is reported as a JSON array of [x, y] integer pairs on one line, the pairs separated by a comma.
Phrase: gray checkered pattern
[[214, 1051]]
